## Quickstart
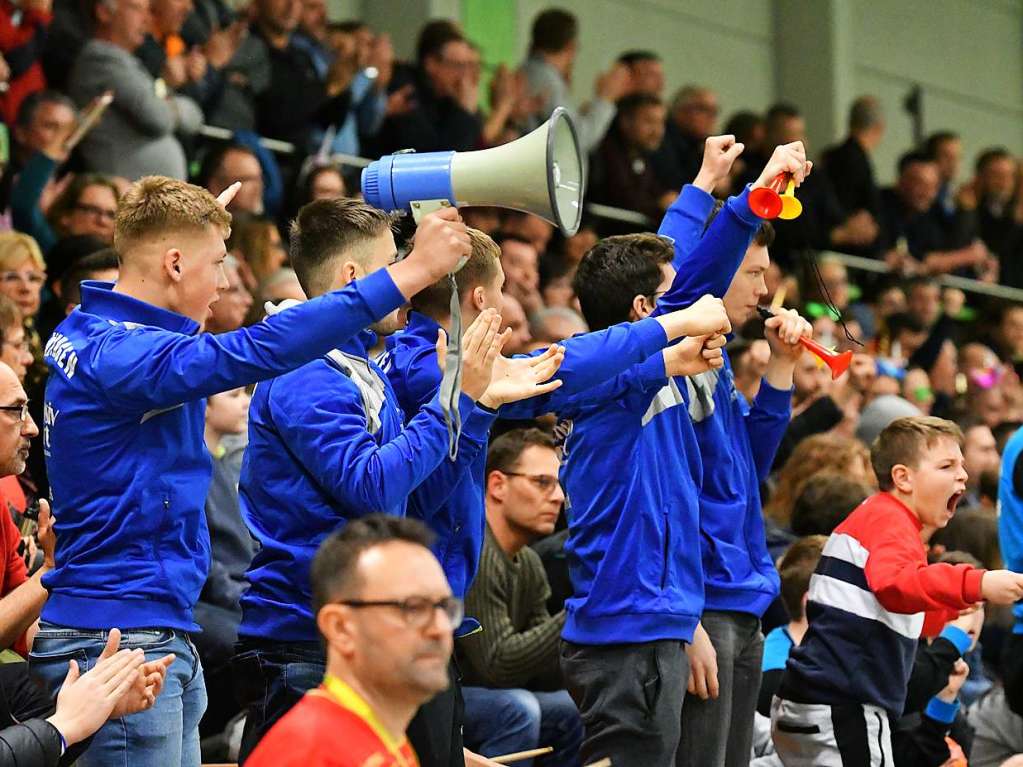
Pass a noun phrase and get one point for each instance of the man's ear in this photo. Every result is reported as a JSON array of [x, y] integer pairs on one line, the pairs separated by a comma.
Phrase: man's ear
[[350, 271], [172, 258], [902, 478], [497, 485], [479, 298], [333, 621], [640, 308]]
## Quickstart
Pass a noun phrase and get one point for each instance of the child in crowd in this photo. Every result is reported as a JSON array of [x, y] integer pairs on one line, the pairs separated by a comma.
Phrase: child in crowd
[[872, 597]]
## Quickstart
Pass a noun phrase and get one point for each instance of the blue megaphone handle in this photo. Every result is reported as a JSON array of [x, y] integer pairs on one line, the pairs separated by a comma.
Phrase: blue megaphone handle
[[395, 181]]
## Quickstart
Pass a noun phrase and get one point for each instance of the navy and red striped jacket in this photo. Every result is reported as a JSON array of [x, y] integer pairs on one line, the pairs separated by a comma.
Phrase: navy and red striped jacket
[[872, 597]]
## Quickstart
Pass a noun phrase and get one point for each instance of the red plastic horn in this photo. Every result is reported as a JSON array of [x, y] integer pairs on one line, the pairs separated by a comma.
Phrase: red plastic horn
[[838, 363], [765, 201]]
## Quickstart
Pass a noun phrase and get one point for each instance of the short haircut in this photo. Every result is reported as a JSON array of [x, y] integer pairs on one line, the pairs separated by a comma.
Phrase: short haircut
[[935, 140], [782, 110], [920, 280], [83, 269], [864, 113], [538, 322], [505, 451], [157, 205], [68, 199], [334, 571], [10, 316], [214, 159], [15, 247], [825, 501], [480, 269], [325, 230], [30, 105], [795, 570], [434, 36], [686, 94], [553, 30], [742, 124], [764, 236], [902, 321], [904, 440], [990, 155], [615, 271], [913, 157], [636, 56], [348, 27], [636, 101]]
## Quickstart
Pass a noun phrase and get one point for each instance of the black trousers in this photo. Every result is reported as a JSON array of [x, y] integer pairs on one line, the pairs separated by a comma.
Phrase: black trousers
[[435, 732], [630, 699]]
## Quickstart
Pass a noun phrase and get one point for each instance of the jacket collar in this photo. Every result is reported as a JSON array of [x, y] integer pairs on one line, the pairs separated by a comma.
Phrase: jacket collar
[[100, 299], [359, 344], [423, 327]]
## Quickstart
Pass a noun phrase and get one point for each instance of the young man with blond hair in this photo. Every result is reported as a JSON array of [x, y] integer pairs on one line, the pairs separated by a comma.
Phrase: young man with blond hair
[[123, 437]]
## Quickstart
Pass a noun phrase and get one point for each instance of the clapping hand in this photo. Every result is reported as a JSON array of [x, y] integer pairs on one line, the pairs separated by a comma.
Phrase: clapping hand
[[518, 378]]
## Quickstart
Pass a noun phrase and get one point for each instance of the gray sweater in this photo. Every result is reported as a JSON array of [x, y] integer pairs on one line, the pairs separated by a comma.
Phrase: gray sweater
[[135, 137]]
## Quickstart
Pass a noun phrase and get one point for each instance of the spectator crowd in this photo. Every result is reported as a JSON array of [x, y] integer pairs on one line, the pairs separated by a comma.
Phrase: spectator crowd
[[241, 526]]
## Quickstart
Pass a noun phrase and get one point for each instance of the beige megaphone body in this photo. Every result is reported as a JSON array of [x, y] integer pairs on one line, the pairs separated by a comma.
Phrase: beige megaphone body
[[540, 173]]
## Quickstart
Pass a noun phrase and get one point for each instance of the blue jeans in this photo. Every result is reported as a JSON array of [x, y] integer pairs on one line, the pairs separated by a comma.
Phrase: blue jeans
[[506, 721], [269, 679], [165, 735]]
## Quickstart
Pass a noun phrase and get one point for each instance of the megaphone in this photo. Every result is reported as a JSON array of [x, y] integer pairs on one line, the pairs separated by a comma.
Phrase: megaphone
[[540, 173]]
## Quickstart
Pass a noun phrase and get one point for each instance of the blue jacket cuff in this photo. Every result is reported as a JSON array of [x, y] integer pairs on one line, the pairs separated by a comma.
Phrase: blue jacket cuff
[[958, 637], [943, 712], [380, 293], [652, 337], [476, 419], [773, 400], [740, 206], [651, 371]]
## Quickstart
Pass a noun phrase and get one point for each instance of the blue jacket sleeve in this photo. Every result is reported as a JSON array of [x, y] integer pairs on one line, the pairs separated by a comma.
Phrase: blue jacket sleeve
[[431, 495], [766, 424], [712, 264], [590, 360], [143, 368], [26, 215], [684, 221], [326, 431], [631, 389]]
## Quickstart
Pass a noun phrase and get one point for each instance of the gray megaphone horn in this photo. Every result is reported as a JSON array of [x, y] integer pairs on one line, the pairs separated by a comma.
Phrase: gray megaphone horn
[[540, 173]]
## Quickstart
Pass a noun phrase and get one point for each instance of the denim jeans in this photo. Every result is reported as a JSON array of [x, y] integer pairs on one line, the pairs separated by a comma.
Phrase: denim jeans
[[270, 679], [718, 732], [168, 733], [506, 721]]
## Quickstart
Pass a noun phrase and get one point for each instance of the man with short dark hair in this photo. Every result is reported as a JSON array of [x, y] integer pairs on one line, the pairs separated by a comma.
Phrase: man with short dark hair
[[101, 266], [446, 70], [385, 614], [233, 163], [129, 373], [647, 72], [692, 116], [945, 148], [989, 199], [553, 47], [622, 174], [329, 443], [912, 239], [848, 164], [515, 699]]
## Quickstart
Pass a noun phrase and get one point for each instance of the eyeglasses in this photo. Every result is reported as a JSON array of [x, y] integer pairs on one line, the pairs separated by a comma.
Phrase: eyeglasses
[[543, 482], [32, 278], [95, 210], [417, 612], [21, 410]]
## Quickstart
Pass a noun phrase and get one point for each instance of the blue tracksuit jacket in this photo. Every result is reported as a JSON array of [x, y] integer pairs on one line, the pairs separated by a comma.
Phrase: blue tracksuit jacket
[[123, 438]]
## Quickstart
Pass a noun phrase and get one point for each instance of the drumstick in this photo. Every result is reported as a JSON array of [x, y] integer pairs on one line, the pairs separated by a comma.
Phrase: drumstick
[[520, 755]]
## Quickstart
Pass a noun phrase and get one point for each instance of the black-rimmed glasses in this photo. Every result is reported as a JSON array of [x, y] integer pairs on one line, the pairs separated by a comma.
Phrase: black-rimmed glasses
[[417, 612]]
